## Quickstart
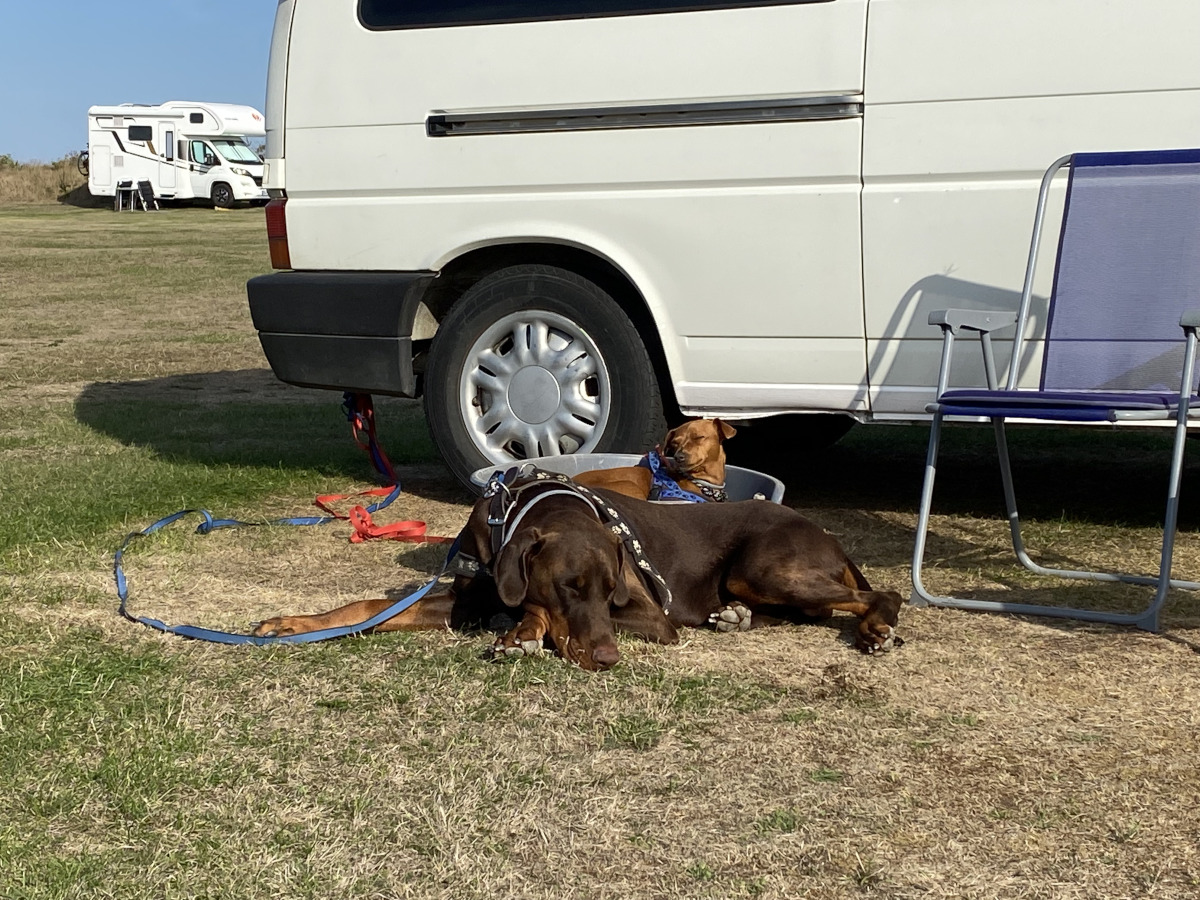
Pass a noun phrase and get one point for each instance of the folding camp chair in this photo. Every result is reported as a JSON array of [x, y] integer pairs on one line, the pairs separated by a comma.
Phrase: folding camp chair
[[1120, 342]]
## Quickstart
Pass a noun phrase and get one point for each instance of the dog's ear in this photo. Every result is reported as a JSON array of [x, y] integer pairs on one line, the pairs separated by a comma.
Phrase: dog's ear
[[619, 596], [511, 569], [724, 429]]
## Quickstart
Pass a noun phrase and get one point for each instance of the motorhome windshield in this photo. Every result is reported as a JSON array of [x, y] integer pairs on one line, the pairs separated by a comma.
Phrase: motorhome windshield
[[236, 151]]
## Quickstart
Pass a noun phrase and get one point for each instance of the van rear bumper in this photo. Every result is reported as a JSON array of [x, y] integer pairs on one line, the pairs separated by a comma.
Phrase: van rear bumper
[[345, 331]]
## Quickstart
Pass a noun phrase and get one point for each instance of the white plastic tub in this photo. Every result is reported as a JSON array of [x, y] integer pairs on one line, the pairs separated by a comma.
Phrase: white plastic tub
[[740, 484]]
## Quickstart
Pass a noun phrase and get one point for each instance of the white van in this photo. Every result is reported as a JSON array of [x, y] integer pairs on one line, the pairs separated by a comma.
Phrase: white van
[[185, 149], [557, 220]]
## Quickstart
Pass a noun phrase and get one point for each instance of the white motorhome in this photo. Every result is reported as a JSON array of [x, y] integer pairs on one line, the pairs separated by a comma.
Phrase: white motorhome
[[186, 150], [556, 220]]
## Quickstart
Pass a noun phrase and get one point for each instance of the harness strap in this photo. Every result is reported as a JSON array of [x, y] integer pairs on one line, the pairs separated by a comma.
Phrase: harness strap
[[512, 525], [511, 484]]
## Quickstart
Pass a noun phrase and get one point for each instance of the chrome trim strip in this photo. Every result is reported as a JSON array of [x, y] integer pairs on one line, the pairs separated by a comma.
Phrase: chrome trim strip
[[664, 115]]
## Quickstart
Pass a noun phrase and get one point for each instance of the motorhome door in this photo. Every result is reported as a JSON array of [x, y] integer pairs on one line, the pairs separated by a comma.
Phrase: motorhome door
[[166, 168], [201, 159]]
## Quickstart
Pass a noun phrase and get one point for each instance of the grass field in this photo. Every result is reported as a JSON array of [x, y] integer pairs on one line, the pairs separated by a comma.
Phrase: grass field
[[990, 757]]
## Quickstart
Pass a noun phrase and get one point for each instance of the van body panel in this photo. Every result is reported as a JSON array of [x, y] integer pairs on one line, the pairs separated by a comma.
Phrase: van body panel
[[276, 108], [398, 77], [642, 198], [785, 264], [944, 50], [955, 146]]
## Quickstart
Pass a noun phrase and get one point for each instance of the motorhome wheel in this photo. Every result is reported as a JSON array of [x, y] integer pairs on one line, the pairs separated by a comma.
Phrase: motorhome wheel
[[537, 361], [222, 195]]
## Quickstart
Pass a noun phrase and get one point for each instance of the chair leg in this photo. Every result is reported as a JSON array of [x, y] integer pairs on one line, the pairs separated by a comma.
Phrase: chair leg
[[1014, 523], [1148, 619], [1010, 499], [920, 596]]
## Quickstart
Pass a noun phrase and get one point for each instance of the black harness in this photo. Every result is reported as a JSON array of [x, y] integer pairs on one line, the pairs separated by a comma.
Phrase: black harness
[[515, 492]]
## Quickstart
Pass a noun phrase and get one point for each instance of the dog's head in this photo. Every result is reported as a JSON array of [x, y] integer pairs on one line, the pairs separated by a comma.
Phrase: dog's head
[[570, 566], [696, 449]]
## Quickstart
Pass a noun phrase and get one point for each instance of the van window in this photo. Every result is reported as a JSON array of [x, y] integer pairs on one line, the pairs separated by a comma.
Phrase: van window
[[235, 150], [431, 13], [202, 154], [141, 133]]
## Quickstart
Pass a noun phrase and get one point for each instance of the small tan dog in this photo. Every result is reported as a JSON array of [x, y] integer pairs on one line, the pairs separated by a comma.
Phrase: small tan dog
[[691, 461]]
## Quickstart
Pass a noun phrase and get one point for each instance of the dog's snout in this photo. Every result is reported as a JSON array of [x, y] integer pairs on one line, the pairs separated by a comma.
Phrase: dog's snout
[[678, 451], [606, 656]]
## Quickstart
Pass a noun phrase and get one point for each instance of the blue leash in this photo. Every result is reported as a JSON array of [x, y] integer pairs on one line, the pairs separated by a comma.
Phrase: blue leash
[[228, 637], [210, 524]]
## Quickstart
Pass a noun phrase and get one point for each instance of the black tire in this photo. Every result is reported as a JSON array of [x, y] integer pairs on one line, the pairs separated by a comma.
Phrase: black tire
[[222, 195], [546, 402]]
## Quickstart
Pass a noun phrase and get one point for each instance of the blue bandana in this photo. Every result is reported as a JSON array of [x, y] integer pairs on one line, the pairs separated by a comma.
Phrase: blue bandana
[[662, 485]]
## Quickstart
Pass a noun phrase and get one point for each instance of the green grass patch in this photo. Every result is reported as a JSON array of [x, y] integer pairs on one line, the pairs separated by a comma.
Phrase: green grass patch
[[134, 764], [123, 465]]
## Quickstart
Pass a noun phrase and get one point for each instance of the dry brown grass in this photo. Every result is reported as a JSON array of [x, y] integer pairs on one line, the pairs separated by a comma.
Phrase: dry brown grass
[[990, 757], [37, 182]]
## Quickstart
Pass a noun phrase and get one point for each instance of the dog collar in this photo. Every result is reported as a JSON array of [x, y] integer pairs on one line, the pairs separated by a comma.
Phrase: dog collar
[[712, 492]]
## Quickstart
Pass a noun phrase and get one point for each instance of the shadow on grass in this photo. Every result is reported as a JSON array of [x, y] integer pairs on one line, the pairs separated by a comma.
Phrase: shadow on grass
[[1091, 475], [1097, 482], [247, 418], [1085, 475], [81, 198]]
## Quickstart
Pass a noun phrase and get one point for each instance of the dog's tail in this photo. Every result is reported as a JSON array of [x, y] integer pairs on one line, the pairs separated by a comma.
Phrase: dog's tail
[[854, 578]]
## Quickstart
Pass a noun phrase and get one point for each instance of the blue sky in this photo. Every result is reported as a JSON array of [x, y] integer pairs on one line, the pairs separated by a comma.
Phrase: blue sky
[[58, 57]]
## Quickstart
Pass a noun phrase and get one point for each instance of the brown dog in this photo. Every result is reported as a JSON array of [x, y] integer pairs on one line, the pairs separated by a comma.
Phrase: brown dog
[[733, 565], [693, 456]]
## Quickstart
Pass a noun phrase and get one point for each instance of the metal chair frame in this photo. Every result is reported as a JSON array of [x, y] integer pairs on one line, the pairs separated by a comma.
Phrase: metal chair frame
[[983, 323]]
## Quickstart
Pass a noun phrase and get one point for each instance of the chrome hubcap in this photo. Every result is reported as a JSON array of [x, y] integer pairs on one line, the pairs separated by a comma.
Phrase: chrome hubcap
[[534, 384]]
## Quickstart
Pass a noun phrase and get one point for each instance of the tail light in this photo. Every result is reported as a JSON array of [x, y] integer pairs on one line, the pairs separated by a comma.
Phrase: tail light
[[277, 240]]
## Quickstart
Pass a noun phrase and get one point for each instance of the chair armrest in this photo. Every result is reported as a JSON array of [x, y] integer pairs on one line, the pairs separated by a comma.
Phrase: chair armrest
[[981, 320], [1190, 319]]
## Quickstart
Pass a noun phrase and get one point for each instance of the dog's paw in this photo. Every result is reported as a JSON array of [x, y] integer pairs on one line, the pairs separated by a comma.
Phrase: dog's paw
[[508, 647], [282, 626], [880, 641], [734, 617]]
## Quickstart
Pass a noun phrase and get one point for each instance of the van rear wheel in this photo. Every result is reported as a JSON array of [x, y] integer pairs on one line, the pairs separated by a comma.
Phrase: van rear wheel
[[538, 361], [222, 195]]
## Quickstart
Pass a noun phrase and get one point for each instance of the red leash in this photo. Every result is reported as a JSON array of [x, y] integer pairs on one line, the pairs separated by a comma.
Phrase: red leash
[[365, 529], [360, 410]]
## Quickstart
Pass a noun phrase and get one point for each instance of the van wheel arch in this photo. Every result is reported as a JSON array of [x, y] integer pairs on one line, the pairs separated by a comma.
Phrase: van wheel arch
[[533, 360], [457, 277]]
